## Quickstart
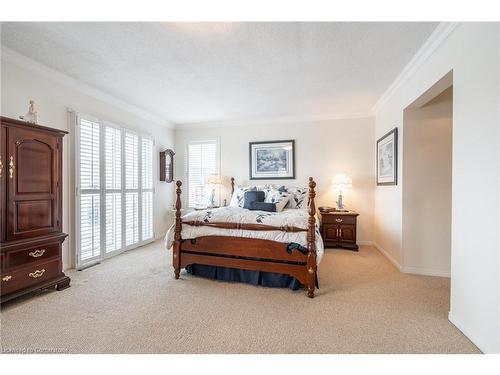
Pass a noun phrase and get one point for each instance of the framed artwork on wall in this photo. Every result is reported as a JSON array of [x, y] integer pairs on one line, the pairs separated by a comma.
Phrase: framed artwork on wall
[[272, 160], [387, 158]]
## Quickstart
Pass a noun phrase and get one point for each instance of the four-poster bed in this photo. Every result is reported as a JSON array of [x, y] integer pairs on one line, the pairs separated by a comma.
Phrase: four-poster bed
[[245, 253]]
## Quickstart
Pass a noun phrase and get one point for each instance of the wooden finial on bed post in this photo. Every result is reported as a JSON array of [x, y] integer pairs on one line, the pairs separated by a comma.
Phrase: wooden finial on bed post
[[232, 186], [311, 233], [176, 261]]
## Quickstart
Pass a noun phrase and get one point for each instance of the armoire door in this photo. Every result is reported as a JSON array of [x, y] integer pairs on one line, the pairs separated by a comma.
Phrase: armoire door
[[32, 179], [3, 180]]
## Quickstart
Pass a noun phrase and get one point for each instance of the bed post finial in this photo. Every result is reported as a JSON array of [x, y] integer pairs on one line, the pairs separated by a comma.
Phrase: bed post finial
[[176, 261], [311, 233], [232, 186]]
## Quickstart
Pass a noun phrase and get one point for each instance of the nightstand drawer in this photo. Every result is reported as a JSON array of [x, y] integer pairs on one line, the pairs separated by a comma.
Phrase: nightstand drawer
[[338, 219]]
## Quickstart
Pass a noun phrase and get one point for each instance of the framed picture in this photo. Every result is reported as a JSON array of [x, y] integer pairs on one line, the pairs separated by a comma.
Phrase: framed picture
[[272, 160], [387, 159]]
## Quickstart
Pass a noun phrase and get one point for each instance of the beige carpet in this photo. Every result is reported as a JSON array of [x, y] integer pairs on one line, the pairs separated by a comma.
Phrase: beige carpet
[[132, 304]]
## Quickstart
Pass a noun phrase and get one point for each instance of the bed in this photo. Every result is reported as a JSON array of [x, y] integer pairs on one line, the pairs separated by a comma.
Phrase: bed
[[234, 239]]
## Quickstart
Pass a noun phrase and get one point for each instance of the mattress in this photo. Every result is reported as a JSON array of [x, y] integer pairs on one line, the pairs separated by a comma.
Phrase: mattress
[[288, 217]]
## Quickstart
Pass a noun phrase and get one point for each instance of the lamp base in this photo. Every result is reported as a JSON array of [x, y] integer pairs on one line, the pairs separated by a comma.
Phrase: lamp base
[[340, 204]]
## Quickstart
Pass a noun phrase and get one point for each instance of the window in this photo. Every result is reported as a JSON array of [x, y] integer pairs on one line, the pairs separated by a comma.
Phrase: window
[[201, 162], [114, 178]]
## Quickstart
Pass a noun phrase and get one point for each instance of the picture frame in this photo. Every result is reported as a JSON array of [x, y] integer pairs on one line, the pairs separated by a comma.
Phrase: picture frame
[[272, 160], [387, 158]]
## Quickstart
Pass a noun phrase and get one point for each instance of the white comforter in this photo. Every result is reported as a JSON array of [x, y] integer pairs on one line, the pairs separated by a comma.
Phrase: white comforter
[[291, 217]]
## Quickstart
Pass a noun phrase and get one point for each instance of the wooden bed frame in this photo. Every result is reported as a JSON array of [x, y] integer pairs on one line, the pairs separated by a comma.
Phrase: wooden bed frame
[[248, 253]]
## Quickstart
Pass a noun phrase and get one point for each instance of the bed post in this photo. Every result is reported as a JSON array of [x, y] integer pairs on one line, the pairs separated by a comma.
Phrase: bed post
[[232, 186], [176, 261], [311, 232]]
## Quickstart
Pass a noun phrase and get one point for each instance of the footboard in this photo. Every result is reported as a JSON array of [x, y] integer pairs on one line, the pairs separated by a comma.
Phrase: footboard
[[248, 253]]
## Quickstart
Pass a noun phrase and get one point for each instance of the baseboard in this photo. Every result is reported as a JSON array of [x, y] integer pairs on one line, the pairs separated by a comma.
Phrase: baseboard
[[387, 255], [365, 243], [425, 271], [453, 319]]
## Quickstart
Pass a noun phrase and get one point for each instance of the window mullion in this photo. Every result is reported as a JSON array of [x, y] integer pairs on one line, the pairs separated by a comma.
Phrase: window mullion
[[122, 175], [102, 190], [139, 190]]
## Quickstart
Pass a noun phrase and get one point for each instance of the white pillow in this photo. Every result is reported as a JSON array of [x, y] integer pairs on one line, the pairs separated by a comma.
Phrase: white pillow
[[280, 199]]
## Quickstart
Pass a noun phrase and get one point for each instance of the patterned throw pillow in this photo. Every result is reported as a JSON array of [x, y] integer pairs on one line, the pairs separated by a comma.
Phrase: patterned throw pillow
[[238, 198], [279, 198], [298, 197]]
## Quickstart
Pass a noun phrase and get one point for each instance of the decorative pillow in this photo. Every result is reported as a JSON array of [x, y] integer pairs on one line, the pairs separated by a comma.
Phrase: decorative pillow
[[238, 198], [298, 198], [263, 206], [279, 198], [252, 196]]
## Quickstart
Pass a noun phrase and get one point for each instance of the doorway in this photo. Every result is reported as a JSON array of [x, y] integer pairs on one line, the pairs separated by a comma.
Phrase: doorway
[[427, 181]]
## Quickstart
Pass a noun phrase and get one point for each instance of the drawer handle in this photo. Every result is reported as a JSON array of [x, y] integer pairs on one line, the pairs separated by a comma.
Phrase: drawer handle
[[1, 166], [338, 220], [6, 278], [37, 273], [37, 253]]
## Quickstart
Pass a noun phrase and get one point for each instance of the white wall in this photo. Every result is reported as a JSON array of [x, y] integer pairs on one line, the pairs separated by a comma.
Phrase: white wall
[[23, 79], [471, 50], [427, 167], [322, 148]]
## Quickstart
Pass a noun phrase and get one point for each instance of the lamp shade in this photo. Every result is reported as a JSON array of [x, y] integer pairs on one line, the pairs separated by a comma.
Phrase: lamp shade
[[342, 181], [214, 179]]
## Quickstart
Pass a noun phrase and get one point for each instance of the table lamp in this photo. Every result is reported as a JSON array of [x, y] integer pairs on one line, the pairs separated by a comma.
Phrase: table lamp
[[213, 180], [341, 182]]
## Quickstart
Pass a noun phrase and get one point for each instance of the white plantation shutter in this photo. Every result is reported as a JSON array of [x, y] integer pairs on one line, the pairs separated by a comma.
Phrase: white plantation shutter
[[89, 199], [131, 218], [115, 195], [113, 177], [147, 163], [202, 161], [131, 160], [113, 155], [90, 241], [89, 154], [131, 188], [147, 188]]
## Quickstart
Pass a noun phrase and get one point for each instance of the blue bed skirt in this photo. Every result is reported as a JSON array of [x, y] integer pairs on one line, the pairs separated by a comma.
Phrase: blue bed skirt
[[268, 279]]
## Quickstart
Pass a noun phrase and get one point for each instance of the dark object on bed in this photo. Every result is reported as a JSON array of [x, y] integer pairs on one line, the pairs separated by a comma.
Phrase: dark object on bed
[[263, 206], [248, 253], [251, 197]]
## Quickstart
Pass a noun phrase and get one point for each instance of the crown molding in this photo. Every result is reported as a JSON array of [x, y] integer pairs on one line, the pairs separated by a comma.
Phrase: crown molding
[[438, 36], [272, 120], [23, 61]]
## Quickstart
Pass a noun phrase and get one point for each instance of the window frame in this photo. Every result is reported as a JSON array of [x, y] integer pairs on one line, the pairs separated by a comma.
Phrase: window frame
[[79, 263], [216, 141]]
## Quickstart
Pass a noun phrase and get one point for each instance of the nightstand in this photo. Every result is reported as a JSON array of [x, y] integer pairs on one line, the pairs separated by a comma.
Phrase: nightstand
[[338, 229]]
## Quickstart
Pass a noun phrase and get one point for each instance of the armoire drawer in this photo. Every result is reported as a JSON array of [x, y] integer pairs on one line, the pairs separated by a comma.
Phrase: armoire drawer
[[28, 276], [36, 254]]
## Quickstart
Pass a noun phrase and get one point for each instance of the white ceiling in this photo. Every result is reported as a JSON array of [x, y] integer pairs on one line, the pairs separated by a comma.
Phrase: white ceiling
[[210, 72]]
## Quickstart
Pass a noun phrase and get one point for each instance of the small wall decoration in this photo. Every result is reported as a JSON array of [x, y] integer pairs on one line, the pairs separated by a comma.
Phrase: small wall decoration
[[32, 114], [167, 165], [387, 159], [272, 160]]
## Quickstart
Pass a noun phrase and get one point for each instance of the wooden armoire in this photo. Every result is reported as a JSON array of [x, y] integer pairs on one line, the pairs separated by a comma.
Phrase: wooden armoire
[[31, 234]]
